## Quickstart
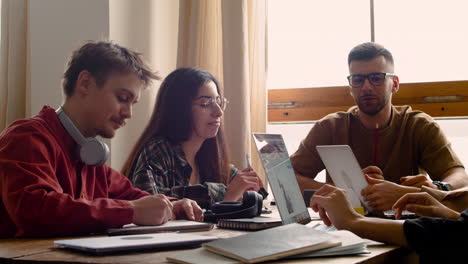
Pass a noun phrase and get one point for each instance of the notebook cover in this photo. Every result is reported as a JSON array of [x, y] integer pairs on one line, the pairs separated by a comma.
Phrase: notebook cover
[[273, 243]]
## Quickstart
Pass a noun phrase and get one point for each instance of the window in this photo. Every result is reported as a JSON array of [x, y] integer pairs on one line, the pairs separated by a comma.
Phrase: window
[[308, 41], [428, 39]]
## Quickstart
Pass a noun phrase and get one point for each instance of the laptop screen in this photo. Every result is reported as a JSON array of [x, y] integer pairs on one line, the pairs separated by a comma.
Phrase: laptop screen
[[283, 182]]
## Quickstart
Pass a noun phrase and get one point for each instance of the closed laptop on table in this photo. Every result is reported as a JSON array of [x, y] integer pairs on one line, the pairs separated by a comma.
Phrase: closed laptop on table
[[103, 245]]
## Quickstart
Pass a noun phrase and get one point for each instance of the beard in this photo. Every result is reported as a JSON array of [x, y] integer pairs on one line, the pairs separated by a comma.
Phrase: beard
[[106, 134], [374, 107]]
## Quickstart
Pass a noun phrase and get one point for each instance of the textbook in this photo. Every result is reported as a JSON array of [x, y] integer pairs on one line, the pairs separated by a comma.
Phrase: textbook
[[351, 244], [274, 243], [171, 226], [255, 223]]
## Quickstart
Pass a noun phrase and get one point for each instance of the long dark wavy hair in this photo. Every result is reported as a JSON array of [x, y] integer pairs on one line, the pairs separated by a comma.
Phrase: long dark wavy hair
[[172, 119]]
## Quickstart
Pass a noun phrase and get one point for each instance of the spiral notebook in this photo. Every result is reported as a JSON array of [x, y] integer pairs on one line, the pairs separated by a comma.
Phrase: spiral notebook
[[256, 223]]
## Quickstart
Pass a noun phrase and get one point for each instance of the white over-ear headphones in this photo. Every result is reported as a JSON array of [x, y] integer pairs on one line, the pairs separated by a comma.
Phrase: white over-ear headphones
[[92, 151]]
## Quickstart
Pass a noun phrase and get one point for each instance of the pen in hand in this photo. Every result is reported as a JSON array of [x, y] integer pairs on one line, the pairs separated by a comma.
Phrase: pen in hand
[[247, 159], [262, 190], [152, 182], [376, 144]]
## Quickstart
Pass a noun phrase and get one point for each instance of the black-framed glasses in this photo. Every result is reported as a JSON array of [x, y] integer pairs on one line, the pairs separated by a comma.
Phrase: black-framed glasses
[[375, 78], [208, 102]]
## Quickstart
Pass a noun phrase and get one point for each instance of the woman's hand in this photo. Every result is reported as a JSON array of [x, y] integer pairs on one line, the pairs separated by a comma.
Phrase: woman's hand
[[423, 204], [333, 207], [245, 180]]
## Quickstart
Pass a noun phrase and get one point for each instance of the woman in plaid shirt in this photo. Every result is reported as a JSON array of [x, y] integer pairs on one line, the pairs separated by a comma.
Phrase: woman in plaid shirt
[[183, 147]]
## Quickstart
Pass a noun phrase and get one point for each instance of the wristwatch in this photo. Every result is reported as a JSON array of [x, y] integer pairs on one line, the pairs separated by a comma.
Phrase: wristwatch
[[443, 185]]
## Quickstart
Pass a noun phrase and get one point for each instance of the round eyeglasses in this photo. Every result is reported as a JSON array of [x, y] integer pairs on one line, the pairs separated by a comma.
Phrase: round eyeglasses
[[375, 78], [208, 102]]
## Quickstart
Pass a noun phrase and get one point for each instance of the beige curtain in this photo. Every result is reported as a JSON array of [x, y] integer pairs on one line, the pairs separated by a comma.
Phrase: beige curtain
[[228, 38], [200, 42], [14, 73]]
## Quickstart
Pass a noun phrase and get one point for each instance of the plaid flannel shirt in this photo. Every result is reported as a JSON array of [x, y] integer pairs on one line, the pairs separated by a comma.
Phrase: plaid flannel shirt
[[171, 172]]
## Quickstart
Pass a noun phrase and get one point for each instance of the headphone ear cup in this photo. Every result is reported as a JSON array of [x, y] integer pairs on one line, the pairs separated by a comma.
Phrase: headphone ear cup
[[94, 152], [253, 199]]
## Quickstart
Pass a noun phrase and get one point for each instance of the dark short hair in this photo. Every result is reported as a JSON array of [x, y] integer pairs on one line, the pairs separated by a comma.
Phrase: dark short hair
[[368, 51], [102, 59]]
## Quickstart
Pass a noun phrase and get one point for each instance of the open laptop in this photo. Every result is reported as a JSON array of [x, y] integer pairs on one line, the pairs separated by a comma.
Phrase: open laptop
[[290, 203], [278, 169], [105, 245]]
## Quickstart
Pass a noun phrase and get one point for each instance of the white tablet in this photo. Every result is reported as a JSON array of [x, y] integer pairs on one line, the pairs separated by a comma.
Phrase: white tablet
[[344, 169]]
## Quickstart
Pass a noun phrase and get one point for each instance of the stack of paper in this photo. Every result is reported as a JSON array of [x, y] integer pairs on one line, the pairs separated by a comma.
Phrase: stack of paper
[[288, 241], [351, 244]]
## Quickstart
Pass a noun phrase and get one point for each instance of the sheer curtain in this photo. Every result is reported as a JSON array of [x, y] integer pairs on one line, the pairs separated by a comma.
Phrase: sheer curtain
[[14, 72], [228, 39]]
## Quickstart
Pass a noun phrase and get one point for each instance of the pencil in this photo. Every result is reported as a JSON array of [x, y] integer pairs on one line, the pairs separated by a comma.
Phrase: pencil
[[247, 159], [152, 182], [376, 143]]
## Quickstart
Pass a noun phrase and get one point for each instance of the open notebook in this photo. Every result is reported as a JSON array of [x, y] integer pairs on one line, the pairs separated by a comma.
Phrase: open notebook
[[283, 182]]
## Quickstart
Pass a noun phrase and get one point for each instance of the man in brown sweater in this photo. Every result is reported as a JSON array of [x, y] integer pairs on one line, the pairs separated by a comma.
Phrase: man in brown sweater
[[394, 144]]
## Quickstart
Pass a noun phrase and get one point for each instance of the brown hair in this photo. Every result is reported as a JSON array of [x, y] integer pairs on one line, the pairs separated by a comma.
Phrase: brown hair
[[172, 119], [101, 59]]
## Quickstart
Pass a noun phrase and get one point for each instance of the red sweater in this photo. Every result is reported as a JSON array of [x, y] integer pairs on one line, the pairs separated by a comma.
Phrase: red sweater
[[41, 194]]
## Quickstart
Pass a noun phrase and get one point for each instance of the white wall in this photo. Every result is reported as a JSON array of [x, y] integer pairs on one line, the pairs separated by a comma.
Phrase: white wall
[[56, 28]]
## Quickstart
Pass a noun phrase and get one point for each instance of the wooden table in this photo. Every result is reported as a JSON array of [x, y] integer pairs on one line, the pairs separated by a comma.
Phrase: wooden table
[[44, 251]]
